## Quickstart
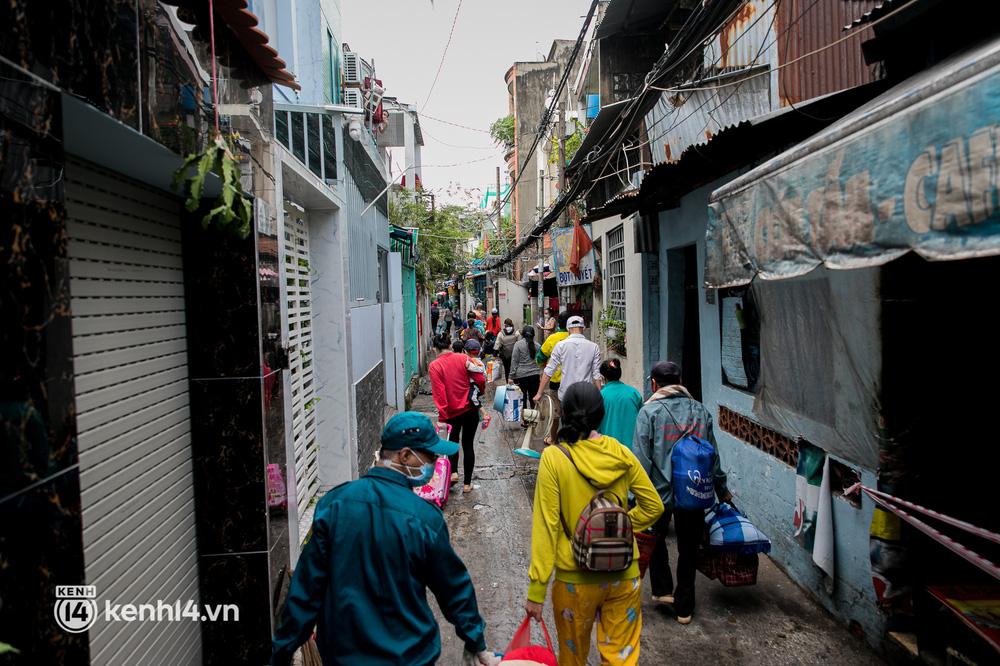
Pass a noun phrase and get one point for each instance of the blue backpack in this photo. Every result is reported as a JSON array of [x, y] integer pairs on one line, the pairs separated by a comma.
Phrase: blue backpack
[[691, 462], [691, 467]]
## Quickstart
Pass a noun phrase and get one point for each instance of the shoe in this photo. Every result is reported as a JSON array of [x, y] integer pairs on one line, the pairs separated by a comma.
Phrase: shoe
[[684, 620], [468, 489], [664, 599]]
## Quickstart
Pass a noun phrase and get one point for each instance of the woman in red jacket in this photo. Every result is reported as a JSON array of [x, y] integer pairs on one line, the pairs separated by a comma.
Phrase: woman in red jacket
[[450, 388]]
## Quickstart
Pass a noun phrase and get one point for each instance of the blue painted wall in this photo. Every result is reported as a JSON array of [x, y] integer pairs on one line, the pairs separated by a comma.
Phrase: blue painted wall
[[763, 485], [301, 31]]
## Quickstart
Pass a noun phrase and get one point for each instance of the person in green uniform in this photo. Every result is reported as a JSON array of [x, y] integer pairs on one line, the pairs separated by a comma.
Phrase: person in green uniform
[[375, 549], [621, 404]]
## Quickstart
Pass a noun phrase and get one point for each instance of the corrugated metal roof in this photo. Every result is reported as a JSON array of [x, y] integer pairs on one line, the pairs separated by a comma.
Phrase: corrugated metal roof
[[805, 26], [683, 119], [596, 131], [872, 14], [632, 16], [743, 144], [746, 39]]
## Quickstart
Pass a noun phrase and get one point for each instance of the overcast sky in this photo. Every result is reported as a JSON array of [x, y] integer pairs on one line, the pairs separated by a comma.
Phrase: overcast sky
[[406, 38]]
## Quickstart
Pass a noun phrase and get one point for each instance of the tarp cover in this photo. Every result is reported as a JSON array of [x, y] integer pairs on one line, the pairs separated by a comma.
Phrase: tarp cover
[[913, 170]]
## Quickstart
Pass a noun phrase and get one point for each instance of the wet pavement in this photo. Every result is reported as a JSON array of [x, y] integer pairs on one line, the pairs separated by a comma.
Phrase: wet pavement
[[773, 622]]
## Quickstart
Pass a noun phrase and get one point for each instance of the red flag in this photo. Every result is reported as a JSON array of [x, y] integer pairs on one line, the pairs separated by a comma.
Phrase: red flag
[[581, 246]]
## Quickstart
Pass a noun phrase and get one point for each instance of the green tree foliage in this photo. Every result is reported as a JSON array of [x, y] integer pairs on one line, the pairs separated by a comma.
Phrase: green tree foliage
[[442, 234], [573, 142], [498, 241], [502, 131]]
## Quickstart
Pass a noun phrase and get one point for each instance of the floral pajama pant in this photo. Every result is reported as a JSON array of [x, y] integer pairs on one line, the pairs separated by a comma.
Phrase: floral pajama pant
[[618, 611]]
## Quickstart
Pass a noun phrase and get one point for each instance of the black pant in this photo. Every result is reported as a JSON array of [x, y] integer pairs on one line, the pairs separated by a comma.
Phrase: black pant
[[690, 528], [506, 366], [463, 428], [529, 387], [434, 323]]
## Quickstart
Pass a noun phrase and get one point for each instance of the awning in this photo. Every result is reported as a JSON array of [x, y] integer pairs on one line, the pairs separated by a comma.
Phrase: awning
[[633, 16], [236, 15], [913, 170], [596, 131]]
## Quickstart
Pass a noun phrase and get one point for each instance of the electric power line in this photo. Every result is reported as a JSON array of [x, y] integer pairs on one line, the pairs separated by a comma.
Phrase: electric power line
[[444, 53]]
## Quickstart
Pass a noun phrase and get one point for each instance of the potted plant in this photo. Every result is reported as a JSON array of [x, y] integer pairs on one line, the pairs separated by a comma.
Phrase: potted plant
[[614, 328]]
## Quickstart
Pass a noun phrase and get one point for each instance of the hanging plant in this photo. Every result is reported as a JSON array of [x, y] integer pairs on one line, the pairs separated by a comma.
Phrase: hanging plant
[[231, 210]]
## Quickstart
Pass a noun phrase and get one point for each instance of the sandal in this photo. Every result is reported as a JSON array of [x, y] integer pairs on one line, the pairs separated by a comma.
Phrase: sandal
[[466, 489]]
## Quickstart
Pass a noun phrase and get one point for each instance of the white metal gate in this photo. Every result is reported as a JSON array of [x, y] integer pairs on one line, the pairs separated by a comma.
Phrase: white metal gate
[[133, 421], [297, 271]]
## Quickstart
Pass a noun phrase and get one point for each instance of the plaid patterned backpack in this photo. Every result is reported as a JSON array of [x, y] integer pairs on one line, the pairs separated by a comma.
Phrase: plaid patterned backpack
[[603, 539]]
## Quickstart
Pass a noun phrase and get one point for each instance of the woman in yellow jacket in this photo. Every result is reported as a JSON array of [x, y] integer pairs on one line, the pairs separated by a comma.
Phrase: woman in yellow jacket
[[578, 596]]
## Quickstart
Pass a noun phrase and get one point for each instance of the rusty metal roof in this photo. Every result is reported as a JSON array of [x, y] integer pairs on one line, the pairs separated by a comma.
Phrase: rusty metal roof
[[816, 68], [745, 143], [879, 10]]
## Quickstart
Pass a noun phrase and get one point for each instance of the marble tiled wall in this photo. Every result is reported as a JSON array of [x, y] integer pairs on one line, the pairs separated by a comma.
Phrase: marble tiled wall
[[41, 542], [237, 414], [369, 395]]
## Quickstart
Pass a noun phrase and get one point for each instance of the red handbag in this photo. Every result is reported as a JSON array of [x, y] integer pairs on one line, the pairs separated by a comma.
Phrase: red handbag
[[520, 651]]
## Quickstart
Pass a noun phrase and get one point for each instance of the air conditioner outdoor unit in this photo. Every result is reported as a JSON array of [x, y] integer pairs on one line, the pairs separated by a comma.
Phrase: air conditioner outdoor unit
[[354, 97], [352, 69]]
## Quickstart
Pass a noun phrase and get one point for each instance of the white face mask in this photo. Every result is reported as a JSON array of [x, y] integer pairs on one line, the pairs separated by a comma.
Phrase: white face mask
[[508, 329]]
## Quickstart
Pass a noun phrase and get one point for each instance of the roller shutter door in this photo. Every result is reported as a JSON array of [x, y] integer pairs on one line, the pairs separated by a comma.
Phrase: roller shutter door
[[133, 421]]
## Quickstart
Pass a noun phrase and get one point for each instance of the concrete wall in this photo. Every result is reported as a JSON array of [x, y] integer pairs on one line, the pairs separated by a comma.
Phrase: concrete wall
[[512, 298], [532, 82], [331, 351], [393, 352], [763, 485], [298, 30], [366, 339]]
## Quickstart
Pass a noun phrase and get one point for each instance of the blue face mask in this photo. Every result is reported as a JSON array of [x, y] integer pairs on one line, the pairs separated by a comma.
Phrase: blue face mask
[[424, 473]]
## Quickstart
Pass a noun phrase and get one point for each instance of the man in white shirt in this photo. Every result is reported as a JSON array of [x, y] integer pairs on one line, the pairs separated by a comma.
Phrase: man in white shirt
[[578, 357]]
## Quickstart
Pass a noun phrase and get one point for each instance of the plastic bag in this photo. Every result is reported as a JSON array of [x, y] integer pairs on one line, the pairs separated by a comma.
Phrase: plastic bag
[[647, 544], [521, 650], [730, 530]]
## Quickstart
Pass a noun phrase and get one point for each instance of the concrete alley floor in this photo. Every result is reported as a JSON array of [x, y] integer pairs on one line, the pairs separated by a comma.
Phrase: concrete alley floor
[[770, 623]]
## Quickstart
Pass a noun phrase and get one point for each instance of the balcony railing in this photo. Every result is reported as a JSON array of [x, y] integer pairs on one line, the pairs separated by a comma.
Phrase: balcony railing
[[310, 134]]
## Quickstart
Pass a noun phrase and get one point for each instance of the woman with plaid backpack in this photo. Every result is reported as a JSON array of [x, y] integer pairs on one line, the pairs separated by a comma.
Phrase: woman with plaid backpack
[[582, 531]]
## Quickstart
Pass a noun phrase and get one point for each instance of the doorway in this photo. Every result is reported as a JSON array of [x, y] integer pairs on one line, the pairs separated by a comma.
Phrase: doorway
[[683, 326]]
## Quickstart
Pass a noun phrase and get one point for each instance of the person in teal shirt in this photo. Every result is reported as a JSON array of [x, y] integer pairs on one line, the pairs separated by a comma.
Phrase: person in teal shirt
[[375, 549], [621, 404]]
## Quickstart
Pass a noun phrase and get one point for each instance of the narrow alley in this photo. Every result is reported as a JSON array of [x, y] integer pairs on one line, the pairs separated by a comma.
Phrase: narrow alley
[[742, 250], [772, 622]]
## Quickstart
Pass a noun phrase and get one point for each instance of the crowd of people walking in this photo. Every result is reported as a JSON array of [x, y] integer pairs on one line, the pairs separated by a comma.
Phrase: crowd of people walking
[[607, 468]]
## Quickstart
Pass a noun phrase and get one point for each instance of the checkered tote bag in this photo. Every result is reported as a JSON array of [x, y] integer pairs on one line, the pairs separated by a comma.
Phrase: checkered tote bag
[[603, 539]]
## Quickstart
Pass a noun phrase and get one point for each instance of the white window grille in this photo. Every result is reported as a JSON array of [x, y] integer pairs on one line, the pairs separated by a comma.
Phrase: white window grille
[[616, 271]]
